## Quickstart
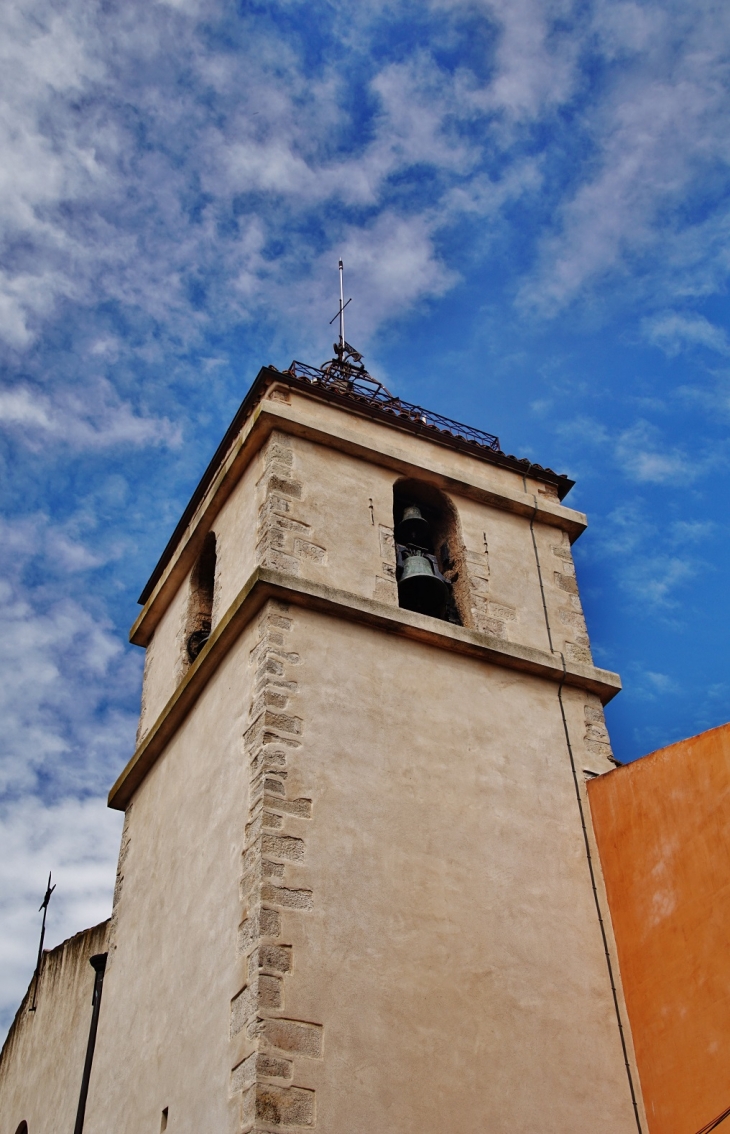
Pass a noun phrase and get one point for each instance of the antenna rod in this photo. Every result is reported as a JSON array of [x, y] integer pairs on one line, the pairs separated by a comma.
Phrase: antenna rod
[[37, 974], [342, 309]]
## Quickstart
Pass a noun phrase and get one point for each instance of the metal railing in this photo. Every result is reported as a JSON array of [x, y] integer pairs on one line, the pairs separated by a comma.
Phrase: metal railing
[[355, 382]]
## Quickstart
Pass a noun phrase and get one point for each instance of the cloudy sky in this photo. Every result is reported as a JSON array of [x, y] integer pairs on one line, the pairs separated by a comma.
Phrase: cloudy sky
[[531, 198]]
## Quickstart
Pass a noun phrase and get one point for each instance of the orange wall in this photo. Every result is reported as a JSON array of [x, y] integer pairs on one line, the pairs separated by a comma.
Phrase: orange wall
[[663, 831]]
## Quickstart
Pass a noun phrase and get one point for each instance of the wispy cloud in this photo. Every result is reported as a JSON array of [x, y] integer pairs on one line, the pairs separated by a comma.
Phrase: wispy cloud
[[644, 456], [641, 451], [66, 674], [674, 332], [94, 418], [683, 532], [653, 581], [650, 561], [60, 734], [654, 138]]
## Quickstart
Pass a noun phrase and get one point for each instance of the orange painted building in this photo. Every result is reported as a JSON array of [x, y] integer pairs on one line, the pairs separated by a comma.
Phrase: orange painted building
[[663, 830]]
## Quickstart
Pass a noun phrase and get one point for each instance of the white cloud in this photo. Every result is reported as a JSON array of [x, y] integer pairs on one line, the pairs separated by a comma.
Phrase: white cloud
[[93, 214], [625, 529], [642, 455], [674, 331], [59, 547], [66, 683], [625, 29], [536, 56], [395, 264], [93, 418], [661, 682], [58, 727], [658, 134], [692, 531], [66, 675], [653, 579]]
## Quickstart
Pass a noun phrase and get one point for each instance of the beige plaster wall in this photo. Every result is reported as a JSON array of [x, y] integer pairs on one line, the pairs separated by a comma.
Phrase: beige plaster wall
[[404, 938], [565, 612], [451, 956], [409, 448], [513, 606], [163, 1035], [42, 1061], [316, 519], [236, 528], [165, 660]]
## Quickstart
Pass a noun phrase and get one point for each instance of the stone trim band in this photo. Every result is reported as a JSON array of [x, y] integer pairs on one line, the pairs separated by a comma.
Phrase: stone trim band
[[264, 584]]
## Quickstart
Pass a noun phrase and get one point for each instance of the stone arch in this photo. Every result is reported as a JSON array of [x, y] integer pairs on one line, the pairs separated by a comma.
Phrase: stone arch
[[200, 604], [448, 543]]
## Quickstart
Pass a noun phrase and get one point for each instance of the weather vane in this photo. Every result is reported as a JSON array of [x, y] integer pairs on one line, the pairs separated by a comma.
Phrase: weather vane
[[341, 313], [347, 359], [43, 906]]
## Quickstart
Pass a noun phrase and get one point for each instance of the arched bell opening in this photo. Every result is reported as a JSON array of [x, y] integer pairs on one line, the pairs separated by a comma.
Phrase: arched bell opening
[[429, 551], [200, 605]]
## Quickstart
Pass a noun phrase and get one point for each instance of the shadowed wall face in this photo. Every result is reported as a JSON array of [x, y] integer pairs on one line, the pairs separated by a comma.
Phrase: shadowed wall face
[[42, 1060], [664, 842]]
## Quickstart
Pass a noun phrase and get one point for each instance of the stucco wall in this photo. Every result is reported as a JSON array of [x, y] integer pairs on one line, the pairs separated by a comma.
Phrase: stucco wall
[[418, 451], [43, 1058], [163, 1033], [426, 941], [316, 520], [235, 528], [407, 938], [164, 660], [451, 956], [662, 830]]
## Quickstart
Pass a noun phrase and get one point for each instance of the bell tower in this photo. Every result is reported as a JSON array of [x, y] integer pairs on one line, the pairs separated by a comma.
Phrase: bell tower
[[357, 888]]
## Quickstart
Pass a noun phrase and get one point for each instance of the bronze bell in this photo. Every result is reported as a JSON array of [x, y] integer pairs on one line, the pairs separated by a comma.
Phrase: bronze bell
[[420, 589], [197, 640], [413, 528]]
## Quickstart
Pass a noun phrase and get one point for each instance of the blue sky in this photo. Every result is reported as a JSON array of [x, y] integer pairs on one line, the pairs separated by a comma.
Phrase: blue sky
[[531, 198]]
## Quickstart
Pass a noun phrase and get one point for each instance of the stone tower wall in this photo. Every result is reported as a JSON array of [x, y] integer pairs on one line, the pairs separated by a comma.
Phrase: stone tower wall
[[354, 890]]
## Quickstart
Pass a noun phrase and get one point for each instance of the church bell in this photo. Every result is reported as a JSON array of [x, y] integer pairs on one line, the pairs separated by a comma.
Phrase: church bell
[[413, 528], [420, 589]]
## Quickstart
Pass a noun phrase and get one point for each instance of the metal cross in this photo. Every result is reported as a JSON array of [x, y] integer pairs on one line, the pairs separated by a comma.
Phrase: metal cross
[[43, 906]]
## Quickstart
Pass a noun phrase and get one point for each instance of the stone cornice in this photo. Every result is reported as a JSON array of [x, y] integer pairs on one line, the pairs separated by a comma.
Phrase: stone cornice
[[381, 448], [265, 584]]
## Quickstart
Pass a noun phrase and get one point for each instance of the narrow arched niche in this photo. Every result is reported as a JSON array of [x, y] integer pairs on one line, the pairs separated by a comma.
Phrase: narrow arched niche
[[23, 1128], [447, 545], [200, 604]]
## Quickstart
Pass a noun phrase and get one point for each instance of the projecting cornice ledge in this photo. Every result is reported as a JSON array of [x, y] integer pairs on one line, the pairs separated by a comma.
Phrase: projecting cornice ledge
[[265, 584]]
